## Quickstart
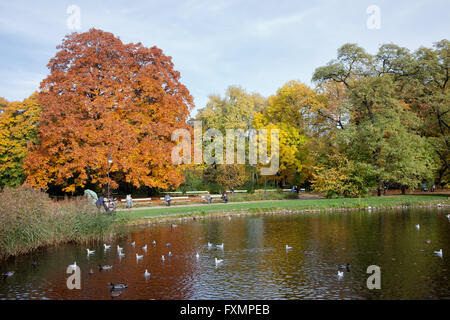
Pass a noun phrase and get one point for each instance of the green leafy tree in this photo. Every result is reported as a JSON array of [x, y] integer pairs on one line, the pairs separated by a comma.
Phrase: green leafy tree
[[382, 132], [236, 110]]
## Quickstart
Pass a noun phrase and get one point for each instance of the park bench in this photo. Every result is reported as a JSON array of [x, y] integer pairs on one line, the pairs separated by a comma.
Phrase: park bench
[[213, 196], [176, 199], [146, 200]]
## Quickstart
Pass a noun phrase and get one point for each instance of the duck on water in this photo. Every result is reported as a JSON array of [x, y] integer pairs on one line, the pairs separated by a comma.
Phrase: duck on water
[[344, 267]]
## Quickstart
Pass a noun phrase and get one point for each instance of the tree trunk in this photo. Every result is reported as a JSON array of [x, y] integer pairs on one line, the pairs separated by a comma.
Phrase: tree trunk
[[380, 187], [403, 190]]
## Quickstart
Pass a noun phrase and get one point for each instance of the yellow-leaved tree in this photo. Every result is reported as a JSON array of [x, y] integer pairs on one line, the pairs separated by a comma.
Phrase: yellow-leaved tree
[[289, 111], [18, 127]]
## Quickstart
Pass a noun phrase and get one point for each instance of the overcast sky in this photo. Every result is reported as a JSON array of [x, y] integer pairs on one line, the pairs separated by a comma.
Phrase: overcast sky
[[257, 44]]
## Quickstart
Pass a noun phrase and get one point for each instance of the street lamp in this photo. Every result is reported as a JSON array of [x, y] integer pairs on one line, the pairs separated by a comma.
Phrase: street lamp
[[265, 180], [252, 172], [109, 163]]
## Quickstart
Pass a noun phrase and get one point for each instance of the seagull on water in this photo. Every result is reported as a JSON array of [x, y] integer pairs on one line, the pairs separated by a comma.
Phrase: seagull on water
[[144, 248], [288, 248], [146, 274], [220, 246], [139, 256], [418, 226], [105, 267], [218, 261], [438, 253], [133, 243], [197, 255], [340, 274], [73, 266], [89, 252], [107, 247], [7, 274]]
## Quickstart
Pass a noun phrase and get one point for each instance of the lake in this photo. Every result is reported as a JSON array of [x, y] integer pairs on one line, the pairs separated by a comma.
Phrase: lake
[[256, 264]]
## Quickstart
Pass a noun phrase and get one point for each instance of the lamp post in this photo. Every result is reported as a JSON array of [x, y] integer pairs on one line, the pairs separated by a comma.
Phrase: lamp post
[[253, 176], [109, 163], [265, 181]]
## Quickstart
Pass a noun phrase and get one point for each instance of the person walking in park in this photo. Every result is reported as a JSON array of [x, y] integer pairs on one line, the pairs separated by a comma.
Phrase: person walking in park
[[167, 199], [129, 201], [101, 202]]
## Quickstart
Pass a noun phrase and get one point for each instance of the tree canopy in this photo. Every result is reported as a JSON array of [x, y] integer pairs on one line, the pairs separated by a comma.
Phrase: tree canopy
[[106, 98]]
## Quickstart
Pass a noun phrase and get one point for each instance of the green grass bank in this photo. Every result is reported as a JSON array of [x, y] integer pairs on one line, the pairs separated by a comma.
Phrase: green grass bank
[[295, 205]]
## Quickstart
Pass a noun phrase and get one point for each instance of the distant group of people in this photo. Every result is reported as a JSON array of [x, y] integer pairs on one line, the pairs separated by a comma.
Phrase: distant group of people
[[108, 204], [224, 197], [101, 201]]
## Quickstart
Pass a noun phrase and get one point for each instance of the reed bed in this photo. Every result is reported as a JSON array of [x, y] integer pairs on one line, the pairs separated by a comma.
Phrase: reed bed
[[29, 219]]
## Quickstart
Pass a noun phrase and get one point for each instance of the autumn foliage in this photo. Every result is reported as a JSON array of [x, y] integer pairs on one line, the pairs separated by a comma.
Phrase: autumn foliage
[[18, 123], [104, 97]]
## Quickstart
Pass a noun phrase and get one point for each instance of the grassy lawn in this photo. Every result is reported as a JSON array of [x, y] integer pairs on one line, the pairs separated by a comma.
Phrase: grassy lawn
[[379, 202]]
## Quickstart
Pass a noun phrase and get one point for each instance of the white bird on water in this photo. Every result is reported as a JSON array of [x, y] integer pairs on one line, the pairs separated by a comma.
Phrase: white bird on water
[[73, 266], [220, 246], [119, 248], [144, 248], [170, 254], [107, 247], [133, 243], [288, 248], [146, 274], [162, 258], [139, 256], [90, 251], [340, 274], [438, 253], [197, 255], [218, 261], [209, 244], [418, 226], [121, 254]]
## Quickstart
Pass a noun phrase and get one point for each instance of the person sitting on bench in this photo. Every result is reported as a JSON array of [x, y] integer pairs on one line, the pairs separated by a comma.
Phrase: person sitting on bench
[[208, 197], [225, 197], [167, 199]]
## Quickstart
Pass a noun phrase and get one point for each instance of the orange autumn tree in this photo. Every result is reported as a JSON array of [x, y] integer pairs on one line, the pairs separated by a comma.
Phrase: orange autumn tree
[[106, 98]]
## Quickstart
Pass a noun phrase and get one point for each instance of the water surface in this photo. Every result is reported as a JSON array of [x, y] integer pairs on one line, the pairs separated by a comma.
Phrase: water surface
[[255, 263]]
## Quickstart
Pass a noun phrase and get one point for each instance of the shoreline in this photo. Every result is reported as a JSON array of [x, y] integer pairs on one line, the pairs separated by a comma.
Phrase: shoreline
[[177, 217], [120, 223]]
